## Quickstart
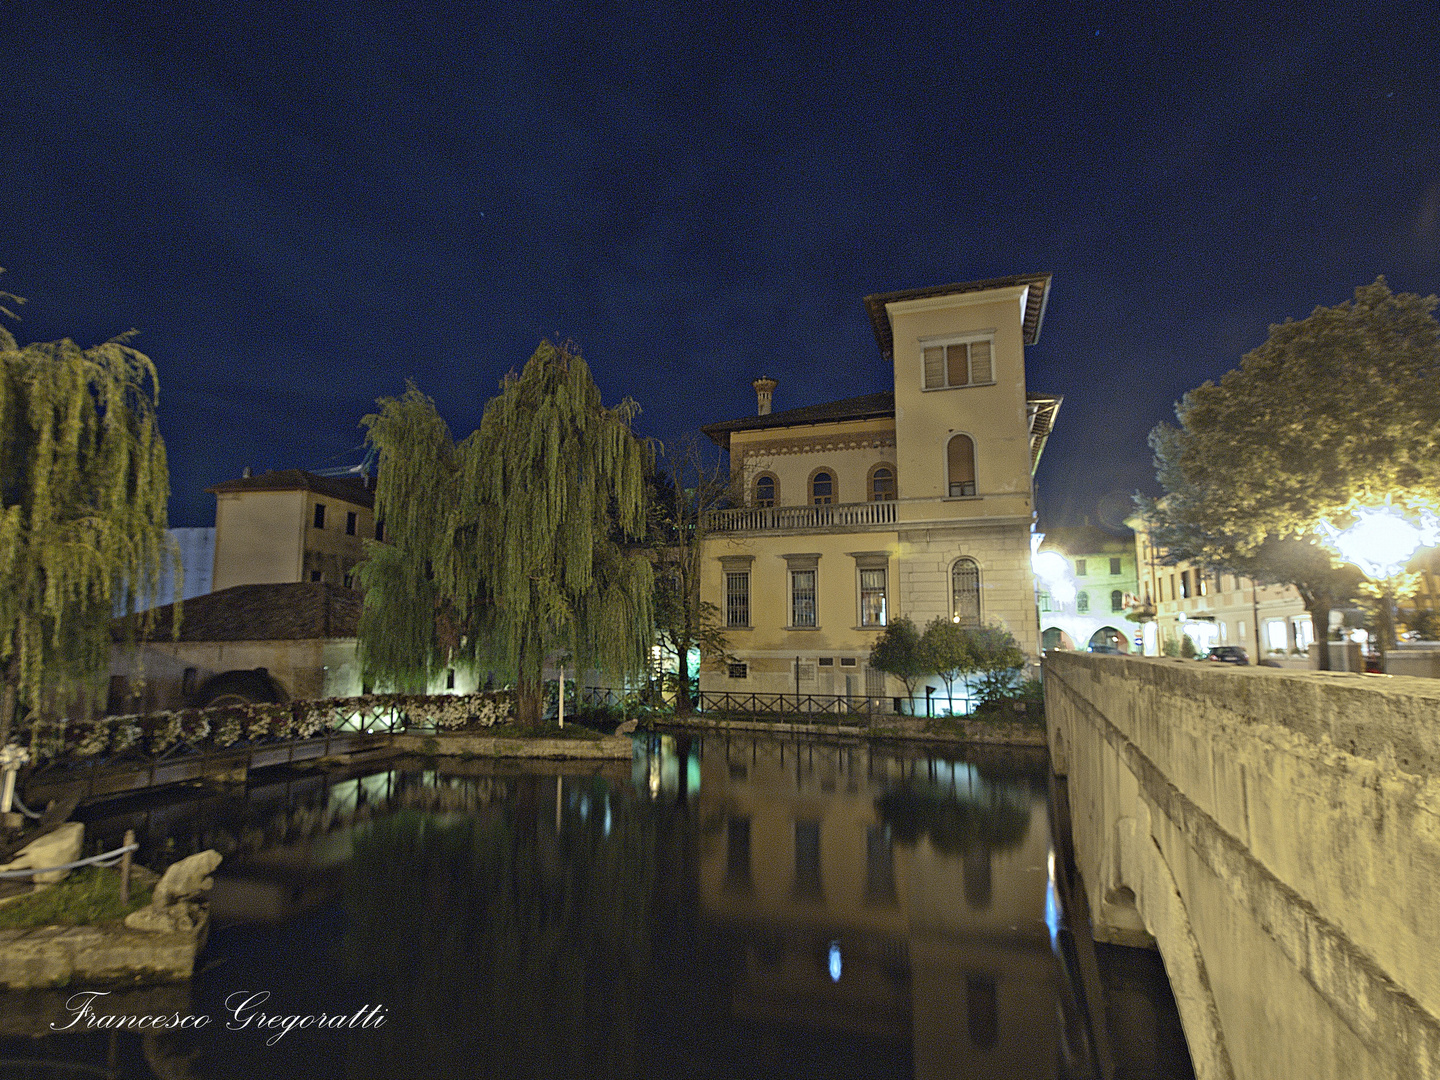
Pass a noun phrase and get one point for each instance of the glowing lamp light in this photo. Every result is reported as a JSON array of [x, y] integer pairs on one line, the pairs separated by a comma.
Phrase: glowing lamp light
[[835, 961], [1383, 540]]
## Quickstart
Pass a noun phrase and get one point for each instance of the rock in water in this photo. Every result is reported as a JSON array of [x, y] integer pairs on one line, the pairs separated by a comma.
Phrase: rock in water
[[175, 904]]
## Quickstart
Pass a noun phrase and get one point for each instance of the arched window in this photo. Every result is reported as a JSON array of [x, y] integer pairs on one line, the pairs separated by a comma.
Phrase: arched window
[[822, 488], [767, 491], [965, 592], [960, 461], [1117, 600], [882, 483]]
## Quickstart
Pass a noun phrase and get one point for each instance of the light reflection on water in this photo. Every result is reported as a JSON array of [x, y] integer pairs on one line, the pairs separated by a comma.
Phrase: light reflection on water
[[725, 907]]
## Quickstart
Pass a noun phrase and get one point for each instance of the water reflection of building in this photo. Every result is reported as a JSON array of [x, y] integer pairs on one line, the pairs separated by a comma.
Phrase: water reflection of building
[[884, 896]]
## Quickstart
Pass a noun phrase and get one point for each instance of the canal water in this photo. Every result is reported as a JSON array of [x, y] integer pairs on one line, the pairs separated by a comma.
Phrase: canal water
[[720, 907]]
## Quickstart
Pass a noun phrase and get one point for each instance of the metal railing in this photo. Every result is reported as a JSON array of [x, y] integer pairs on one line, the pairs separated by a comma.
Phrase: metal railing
[[805, 706], [830, 516]]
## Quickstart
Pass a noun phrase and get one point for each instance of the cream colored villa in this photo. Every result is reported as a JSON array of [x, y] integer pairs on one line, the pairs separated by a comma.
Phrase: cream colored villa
[[916, 501]]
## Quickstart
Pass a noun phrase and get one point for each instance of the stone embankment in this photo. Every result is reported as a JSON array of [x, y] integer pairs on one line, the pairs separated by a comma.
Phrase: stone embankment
[[157, 943], [913, 729], [463, 744]]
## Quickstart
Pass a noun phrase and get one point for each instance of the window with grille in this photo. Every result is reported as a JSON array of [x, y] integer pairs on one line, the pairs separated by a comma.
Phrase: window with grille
[[822, 488], [1114, 567], [1117, 600], [965, 592], [960, 462], [872, 597], [882, 484], [739, 671], [737, 598], [1082, 602], [767, 491], [802, 598], [964, 363], [874, 683]]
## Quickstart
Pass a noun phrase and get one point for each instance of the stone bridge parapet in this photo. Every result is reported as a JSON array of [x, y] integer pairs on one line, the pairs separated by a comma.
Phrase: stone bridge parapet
[[1277, 835]]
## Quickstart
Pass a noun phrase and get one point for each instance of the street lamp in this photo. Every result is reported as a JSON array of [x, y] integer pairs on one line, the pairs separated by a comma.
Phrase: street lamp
[[1381, 542]]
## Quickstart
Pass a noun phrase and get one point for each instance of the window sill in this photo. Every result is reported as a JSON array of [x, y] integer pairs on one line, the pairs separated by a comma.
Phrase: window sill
[[957, 386], [807, 628], [729, 628], [962, 498], [879, 626]]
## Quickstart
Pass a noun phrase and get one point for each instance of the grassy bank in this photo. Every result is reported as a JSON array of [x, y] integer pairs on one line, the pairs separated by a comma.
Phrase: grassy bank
[[86, 897]]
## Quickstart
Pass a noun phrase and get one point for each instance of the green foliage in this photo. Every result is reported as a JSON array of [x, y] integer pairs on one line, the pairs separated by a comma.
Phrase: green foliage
[[998, 659], [82, 527], [85, 897], [1336, 409], [1187, 647], [897, 652], [946, 649], [1171, 645], [505, 548]]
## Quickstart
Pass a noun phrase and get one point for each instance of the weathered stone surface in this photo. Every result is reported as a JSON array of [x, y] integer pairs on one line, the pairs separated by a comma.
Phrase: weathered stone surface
[[493, 746], [61, 955], [1279, 835], [59, 846], [174, 905], [627, 728]]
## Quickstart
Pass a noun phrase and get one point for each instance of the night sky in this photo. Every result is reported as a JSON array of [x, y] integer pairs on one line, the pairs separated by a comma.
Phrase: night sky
[[302, 208]]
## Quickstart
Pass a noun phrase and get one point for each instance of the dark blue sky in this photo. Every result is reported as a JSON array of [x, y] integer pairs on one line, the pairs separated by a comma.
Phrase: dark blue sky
[[302, 208]]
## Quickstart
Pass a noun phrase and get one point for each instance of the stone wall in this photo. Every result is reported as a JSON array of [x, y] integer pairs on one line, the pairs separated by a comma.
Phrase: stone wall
[[1276, 834]]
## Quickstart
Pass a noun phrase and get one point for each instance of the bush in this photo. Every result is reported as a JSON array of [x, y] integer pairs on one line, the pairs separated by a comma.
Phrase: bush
[[1187, 647]]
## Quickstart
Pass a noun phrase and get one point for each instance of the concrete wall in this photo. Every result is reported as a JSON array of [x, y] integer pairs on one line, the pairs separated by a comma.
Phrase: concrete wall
[[1276, 834]]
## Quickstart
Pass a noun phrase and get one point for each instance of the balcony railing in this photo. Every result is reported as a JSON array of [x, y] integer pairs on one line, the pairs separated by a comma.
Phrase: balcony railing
[[771, 518]]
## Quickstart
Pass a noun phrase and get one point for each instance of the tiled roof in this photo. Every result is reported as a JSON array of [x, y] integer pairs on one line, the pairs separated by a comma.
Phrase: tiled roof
[[864, 407], [1034, 304], [1085, 540], [337, 487], [284, 611]]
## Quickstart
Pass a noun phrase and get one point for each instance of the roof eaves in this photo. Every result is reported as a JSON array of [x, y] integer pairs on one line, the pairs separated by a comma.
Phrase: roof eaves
[[1035, 304]]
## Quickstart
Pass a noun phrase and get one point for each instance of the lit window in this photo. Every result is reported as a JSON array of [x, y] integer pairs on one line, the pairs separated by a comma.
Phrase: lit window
[[965, 592], [960, 459], [882, 484], [872, 597], [802, 598], [766, 491], [965, 363], [822, 488], [737, 598]]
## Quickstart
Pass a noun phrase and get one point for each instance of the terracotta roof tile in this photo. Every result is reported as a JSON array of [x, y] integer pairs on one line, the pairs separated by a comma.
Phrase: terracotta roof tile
[[284, 611]]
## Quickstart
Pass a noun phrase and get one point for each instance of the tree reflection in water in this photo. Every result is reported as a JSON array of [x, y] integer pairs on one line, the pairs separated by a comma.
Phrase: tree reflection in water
[[502, 946], [996, 818]]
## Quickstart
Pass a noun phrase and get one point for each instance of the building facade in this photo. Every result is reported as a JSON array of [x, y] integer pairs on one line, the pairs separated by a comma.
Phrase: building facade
[[1087, 603], [291, 526], [1268, 621], [916, 501]]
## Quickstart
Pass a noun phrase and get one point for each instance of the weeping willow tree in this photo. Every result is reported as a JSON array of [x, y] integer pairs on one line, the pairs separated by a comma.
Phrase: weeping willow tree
[[507, 548], [82, 528]]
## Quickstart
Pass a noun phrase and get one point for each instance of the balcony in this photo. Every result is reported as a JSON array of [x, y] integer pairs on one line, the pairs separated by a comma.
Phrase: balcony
[[802, 518]]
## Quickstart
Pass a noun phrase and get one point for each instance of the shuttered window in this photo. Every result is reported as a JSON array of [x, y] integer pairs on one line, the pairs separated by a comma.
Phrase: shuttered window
[[965, 363]]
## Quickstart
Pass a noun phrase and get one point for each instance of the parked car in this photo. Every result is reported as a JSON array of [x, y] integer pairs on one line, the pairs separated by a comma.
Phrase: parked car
[[1105, 648], [1228, 654]]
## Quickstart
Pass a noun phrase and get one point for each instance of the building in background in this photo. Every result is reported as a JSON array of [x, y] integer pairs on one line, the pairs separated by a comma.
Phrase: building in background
[[1102, 579], [1268, 621], [291, 526], [916, 501]]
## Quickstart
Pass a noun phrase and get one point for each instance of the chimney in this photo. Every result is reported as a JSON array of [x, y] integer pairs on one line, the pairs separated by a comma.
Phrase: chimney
[[764, 387], [245, 472]]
